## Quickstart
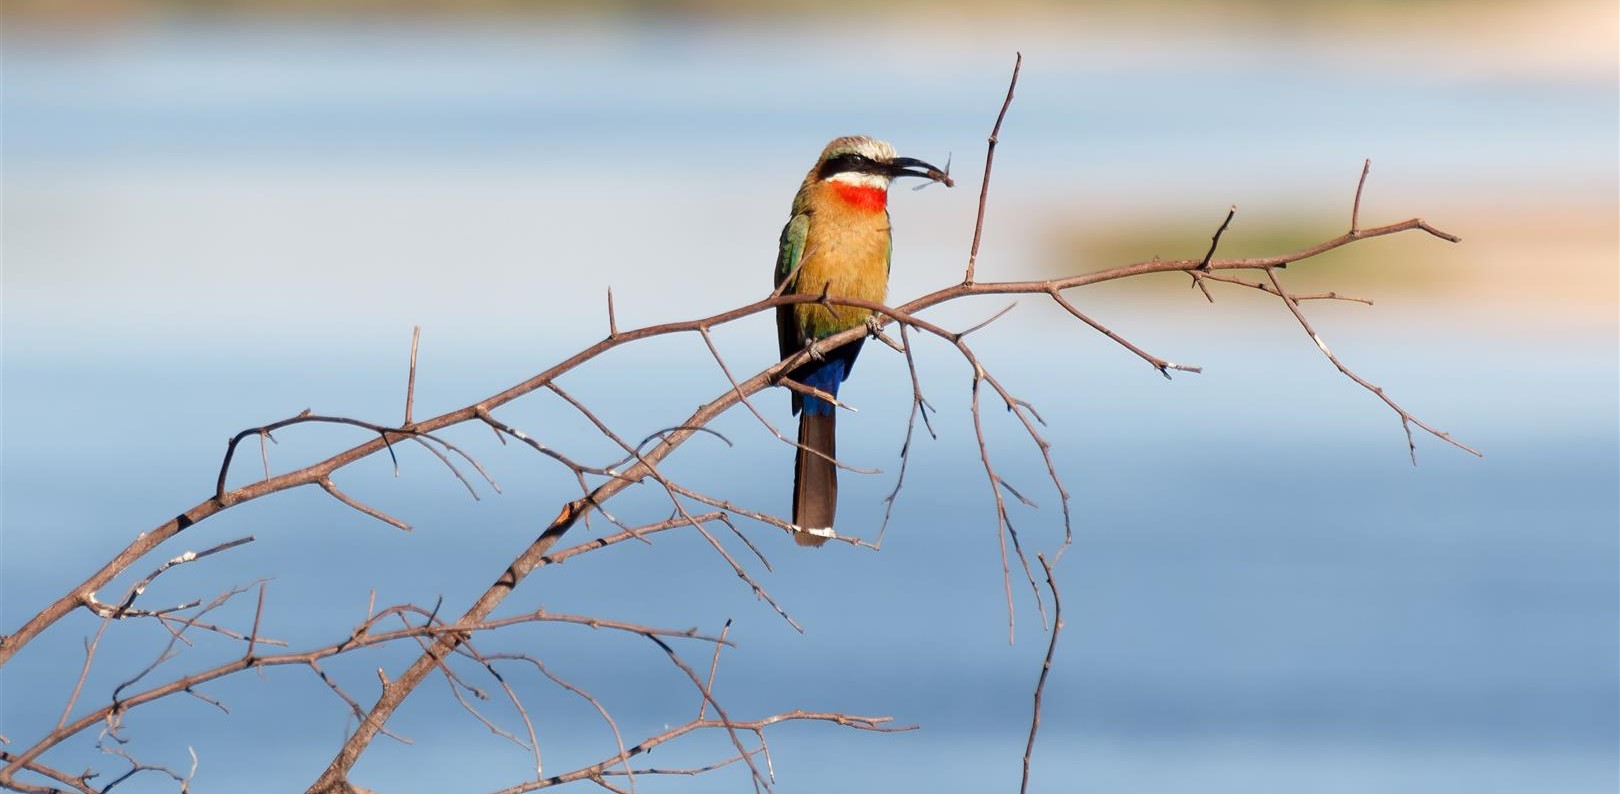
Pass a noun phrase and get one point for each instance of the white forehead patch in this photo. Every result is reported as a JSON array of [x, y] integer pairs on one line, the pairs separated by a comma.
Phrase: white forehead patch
[[860, 179], [875, 149]]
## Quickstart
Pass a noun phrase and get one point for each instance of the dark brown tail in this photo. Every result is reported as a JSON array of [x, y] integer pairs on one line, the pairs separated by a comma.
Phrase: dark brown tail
[[815, 478]]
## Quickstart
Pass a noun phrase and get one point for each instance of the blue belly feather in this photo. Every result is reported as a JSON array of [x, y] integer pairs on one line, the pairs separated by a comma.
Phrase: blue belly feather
[[826, 375]]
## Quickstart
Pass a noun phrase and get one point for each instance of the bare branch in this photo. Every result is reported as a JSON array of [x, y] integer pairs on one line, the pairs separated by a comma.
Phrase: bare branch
[[312, 474], [919, 406], [603, 767], [441, 640], [1046, 667], [90, 646], [1355, 207], [989, 162], [329, 487], [1215, 239], [714, 665], [410, 381], [1407, 419], [139, 588], [1159, 364], [1198, 273]]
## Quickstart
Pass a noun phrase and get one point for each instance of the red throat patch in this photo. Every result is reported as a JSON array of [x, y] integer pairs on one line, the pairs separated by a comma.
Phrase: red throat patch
[[871, 199]]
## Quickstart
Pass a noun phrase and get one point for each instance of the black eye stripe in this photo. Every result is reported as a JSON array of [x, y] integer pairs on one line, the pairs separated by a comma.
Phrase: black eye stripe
[[846, 163]]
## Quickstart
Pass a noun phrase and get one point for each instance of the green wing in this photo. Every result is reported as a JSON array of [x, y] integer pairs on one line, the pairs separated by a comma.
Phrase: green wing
[[788, 334]]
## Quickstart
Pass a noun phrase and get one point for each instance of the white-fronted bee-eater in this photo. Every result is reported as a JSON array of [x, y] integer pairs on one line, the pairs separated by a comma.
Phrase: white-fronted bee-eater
[[836, 244]]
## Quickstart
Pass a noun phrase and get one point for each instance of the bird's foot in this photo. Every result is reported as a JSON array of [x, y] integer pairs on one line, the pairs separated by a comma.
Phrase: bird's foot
[[815, 352]]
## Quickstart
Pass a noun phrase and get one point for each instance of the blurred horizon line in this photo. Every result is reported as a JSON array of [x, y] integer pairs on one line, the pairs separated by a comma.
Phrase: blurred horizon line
[[1568, 38]]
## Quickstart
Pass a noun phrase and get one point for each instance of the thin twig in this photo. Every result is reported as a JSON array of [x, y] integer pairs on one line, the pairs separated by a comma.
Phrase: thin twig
[[919, 406], [988, 320], [1159, 364], [145, 542], [329, 487], [1215, 239], [1046, 667], [708, 341], [258, 615], [90, 646], [1197, 273], [1355, 207], [1407, 419], [410, 382], [714, 665], [760, 781], [989, 162], [139, 588]]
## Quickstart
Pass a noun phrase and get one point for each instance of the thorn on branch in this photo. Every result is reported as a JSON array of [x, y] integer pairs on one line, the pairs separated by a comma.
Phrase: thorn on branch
[[1203, 266], [992, 318], [329, 487], [410, 382], [1355, 208], [1215, 239], [1447, 236]]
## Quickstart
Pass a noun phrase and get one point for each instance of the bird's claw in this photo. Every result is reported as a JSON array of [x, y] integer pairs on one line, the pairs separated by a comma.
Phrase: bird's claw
[[814, 351], [874, 326]]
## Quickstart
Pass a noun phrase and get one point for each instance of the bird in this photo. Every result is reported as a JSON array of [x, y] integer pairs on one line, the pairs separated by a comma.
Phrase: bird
[[836, 244]]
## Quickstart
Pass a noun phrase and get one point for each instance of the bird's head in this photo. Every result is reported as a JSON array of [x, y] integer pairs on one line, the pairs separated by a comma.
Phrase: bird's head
[[870, 163]]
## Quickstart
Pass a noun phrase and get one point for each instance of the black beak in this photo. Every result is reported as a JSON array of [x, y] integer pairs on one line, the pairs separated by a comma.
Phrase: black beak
[[909, 166]]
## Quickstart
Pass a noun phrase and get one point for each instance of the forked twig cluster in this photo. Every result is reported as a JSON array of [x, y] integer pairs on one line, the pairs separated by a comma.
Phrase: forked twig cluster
[[447, 646]]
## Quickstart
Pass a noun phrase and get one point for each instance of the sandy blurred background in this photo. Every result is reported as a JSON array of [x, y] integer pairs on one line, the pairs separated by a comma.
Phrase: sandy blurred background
[[218, 214]]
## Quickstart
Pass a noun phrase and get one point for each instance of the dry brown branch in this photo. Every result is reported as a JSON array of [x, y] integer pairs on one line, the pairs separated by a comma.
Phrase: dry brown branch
[[502, 430], [149, 540], [328, 486], [362, 636], [650, 469], [989, 162], [919, 407], [761, 782], [1199, 272], [136, 766], [605, 766], [1046, 667], [791, 384], [537, 552], [1270, 290], [457, 684], [139, 588], [637, 533], [1355, 206], [1159, 364], [1407, 419], [80, 783], [90, 646], [410, 383], [258, 616], [714, 665], [264, 451], [441, 641], [618, 738]]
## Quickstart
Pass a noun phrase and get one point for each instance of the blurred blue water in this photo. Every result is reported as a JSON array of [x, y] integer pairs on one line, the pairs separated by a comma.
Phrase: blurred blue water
[[1263, 594], [638, 93], [1290, 609]]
